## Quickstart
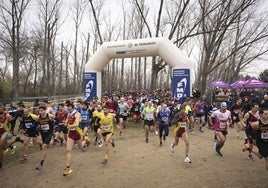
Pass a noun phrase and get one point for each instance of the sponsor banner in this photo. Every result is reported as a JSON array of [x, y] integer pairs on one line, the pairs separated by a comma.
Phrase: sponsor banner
[[90, 85], [181, 84]]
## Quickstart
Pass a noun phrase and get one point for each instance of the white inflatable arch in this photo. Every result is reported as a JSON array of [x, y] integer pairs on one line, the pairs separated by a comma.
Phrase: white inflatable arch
[[163, 47]]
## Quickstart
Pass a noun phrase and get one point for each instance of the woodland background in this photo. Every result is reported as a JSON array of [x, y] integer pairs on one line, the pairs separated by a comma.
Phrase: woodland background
[[223, 38]]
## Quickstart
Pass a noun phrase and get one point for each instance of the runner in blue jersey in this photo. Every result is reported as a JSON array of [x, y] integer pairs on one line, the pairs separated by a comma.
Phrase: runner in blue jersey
[[163, 118], [85, 121]]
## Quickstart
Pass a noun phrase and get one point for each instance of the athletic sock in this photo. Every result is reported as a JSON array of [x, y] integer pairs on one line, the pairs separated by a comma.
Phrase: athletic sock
[[42, 162]]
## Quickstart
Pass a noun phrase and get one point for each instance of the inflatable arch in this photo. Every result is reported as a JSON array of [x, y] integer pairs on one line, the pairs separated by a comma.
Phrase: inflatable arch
[[163, 47]]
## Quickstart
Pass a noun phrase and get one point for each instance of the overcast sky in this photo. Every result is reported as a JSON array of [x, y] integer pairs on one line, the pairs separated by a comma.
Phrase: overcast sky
[[113, 7]]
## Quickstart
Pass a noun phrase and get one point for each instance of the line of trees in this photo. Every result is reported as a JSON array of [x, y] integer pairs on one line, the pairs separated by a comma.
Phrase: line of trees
[[222, 37]]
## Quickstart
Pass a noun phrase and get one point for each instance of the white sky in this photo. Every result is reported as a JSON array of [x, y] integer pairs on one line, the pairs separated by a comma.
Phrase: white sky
[[113, 7]]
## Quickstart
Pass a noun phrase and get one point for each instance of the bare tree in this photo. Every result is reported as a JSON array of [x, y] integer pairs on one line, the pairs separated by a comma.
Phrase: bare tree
[[49, 16], [12, 13], [228, 39], [78, 12]]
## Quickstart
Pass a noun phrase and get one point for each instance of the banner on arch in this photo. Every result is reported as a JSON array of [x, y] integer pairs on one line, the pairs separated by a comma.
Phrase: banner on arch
[[90, 85], [181, 84]]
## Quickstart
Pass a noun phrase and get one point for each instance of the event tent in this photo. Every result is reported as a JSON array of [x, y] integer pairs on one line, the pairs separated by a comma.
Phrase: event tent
[[254, 82], [219, 83], [238, 83]]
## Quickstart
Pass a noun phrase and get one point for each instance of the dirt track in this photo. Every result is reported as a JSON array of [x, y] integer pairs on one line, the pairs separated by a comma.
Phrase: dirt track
[[133, 163]]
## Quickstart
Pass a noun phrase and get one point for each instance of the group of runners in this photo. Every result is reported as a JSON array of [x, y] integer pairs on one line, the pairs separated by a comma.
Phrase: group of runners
[[70, 123]]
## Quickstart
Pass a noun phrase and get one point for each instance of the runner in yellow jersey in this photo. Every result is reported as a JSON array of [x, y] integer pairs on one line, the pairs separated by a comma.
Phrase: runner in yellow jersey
[[105, 131], [148, 114]]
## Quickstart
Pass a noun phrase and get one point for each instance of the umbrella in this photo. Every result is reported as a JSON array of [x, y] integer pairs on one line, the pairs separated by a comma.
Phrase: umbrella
[[254, 82], [238, 83], [219, 83]]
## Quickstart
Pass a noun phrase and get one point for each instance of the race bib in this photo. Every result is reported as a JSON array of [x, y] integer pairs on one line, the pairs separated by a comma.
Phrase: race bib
[[45, 127], [105, 123], [223, 125], [28, 125], [106, 128], [165, 119], [61, 124], [264, 135], [183, 124], [84, 118]]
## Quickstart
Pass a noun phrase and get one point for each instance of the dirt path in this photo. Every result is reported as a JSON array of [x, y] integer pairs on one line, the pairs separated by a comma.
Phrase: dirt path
[[133, 163]]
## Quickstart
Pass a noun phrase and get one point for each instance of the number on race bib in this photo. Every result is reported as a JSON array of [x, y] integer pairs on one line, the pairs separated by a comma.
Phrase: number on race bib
[[28, 125], [84, 118], [164, 118], [223, 125], [264, 135], [106, 128], [45, 127], [183, 124]]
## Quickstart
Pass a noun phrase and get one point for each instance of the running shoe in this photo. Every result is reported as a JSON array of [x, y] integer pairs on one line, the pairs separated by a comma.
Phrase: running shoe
[[146, 140], [39, 167], [245, 147], [105, 161], [87, 141], [13, 150], [201, 129], [160, 145], [156, 132], [67, 171], [61, 141], [84, 148], [18, 139], [120, 133], [250, 158], [217, 149], [187, 160], [113, 144], [6, 151], [23, 158], [100, 144], [55, 141], [245, 140], [171, 148]]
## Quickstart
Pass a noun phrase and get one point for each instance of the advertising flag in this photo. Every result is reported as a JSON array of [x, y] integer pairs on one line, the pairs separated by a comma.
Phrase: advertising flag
[[90, 85], [181, 84]]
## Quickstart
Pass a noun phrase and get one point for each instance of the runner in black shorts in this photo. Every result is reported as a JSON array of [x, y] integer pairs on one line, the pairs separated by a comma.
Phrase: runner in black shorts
[[45, 122], [250, 119], [149, 114], [262, 137], [28, 127], [59, 127]]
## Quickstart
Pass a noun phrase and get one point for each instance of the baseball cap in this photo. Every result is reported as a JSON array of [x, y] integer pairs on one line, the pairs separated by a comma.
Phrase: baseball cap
[[223, 104]]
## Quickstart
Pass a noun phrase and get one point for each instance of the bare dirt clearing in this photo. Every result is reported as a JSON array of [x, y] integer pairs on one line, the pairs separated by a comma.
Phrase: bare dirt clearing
[[133, 163]]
